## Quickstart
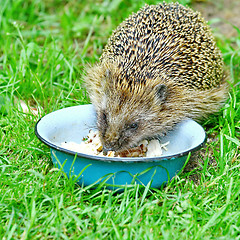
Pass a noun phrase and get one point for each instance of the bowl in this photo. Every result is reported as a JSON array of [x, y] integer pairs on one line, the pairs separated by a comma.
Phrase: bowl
[[74, 123]]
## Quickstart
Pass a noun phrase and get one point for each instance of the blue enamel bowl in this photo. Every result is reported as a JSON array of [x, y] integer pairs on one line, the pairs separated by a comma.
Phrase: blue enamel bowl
[[73, 123]]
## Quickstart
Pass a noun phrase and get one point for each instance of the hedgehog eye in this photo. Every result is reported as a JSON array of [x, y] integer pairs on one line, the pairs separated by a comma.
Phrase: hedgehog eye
[[133, 126]]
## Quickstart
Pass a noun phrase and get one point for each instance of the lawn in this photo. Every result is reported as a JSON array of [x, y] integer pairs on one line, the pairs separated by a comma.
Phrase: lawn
[[44, 47]]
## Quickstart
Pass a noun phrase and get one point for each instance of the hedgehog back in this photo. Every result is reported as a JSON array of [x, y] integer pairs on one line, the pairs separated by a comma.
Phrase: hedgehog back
[[167, 39]]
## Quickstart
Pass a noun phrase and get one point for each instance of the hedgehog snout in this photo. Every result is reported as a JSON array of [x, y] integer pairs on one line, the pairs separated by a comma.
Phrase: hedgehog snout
[[116, 143], [107, 148], [110, 146]]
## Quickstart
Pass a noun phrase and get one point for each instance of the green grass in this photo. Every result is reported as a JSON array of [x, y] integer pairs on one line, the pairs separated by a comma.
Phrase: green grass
[[44, 46]]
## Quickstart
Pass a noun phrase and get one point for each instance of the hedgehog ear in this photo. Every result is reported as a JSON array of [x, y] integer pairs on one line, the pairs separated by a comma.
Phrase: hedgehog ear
[[108, 76], [161, 92]]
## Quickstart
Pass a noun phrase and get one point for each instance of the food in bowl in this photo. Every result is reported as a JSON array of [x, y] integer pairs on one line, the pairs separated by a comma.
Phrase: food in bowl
[[91, 144]]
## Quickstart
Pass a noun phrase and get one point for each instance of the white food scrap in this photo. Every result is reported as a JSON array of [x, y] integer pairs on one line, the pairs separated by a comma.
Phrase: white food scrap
[[154, 149]]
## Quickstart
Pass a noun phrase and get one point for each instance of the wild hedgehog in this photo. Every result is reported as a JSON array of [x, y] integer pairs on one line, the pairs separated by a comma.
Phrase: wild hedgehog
[[160, 66]]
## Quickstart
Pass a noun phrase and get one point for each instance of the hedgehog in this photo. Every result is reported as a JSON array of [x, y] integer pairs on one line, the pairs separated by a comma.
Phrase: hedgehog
[[160, 66]]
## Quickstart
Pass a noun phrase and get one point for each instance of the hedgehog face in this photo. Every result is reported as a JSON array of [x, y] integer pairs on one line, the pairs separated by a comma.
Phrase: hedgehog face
[[121, 139], [118, 132], [121, 126]]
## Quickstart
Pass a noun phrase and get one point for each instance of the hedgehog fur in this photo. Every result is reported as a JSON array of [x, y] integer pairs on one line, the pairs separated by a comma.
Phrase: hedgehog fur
[[159, 67]]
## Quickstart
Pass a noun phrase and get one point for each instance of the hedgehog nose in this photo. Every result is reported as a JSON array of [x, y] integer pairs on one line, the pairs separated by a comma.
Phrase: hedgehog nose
[[106, 149]]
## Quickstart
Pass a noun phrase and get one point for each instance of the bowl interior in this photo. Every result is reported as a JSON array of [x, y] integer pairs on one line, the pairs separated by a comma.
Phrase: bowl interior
[[73, 123]]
